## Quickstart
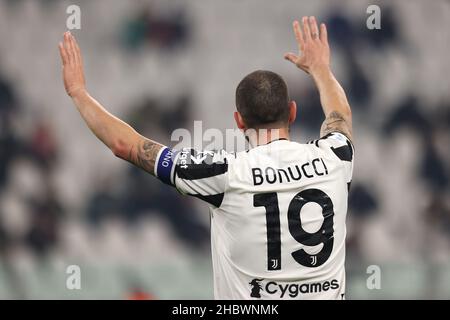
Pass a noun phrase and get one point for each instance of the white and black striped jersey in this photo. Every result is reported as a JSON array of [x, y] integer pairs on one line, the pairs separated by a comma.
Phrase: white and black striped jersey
[[277, 215]]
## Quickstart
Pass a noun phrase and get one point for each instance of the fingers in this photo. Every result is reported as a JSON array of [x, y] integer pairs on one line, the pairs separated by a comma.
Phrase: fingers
[[306, 29], [63, 53], [71, 49], [291, 57], [310, 31], [68, 48], [76, 48], [298, 35], [323, 33], [313, 27]]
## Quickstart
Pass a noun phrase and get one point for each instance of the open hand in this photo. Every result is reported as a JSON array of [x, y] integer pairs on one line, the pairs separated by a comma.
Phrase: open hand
[[73, 74], [314, 51]]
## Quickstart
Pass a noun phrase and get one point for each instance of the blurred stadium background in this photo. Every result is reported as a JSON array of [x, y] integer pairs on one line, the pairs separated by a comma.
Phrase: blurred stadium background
[[65, 200]]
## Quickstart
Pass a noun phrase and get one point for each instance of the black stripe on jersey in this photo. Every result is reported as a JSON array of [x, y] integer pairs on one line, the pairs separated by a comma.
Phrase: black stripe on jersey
[[348, 185], [326, 136], [215, 199], [331, 133], [201, 171], [316, 142], [345, 153]]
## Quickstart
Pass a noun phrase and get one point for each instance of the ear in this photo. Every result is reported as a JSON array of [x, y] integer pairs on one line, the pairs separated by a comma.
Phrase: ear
[[292, 111], [239, 121]]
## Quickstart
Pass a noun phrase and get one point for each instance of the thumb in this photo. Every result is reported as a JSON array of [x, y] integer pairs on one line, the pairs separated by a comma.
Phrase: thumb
[[291, 57]]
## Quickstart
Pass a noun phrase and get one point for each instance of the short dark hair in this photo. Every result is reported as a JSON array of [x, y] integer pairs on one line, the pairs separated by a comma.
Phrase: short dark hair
[[262, 99]]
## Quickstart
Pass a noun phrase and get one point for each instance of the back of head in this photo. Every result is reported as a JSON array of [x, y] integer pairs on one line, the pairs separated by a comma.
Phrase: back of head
[[262, 99]]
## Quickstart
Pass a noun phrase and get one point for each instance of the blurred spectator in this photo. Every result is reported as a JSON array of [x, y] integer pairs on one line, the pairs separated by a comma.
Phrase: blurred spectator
[[340, 29], [8, 100], [362, 204], [136, 293], [358, 86], [362, 201], [7, 245], [309, 109], [162, 31], [8, 141], [46, 213], [437, 214], [433, 168], [8, 150], [407, 113], [43, 145]]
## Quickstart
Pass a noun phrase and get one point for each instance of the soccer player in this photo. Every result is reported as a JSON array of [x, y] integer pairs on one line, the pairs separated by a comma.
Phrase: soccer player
[[277, 210]]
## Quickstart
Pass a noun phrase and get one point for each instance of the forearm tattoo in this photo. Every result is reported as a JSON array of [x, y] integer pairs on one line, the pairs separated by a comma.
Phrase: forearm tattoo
[[335, 122], [144, 154]]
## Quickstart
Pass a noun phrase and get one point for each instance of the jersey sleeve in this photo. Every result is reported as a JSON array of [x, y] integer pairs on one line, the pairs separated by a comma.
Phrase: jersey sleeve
[[202, 174], [342, 148]]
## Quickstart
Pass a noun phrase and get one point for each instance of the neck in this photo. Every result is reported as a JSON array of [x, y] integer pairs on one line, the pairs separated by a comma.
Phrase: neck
[[257, 137]]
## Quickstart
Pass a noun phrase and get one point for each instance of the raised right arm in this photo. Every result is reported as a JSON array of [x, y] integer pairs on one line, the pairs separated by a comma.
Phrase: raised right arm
[[117, 135], [314, 59]]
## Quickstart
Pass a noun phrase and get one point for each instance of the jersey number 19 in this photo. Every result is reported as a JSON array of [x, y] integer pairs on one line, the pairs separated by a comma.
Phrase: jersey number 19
[[324, 235]]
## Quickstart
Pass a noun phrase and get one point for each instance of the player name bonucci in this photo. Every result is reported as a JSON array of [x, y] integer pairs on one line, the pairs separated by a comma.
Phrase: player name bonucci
[[315, 167], [226, 309]]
